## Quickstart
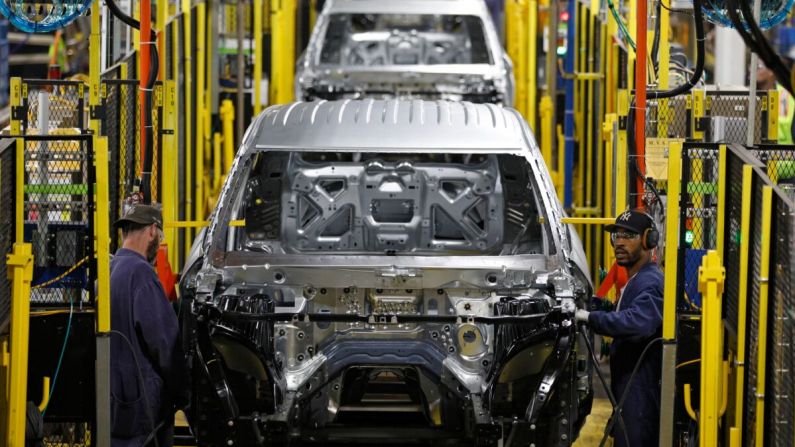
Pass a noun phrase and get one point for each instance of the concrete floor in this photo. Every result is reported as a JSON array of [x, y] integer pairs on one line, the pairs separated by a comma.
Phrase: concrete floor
[[594, 427]]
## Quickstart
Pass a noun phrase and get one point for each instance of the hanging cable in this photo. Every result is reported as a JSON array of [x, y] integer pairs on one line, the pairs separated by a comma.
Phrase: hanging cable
[[147, 145], [764, 49], [698, 18]]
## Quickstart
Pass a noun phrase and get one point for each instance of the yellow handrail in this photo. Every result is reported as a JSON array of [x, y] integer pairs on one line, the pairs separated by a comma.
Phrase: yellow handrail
[[764, 273]]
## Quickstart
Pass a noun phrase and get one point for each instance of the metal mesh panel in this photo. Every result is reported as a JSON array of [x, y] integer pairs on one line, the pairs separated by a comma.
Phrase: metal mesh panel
[[699, 214], [734, 190], [121, 125], [728, 113], [58, 215], [780, 162], [67, 434], [52, 104], [7, 220], [667, 118], [754, 268], [780, 392]]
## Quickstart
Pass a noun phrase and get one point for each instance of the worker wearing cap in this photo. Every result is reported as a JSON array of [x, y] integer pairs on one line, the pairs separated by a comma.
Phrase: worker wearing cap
[[147, 362], [633, 324]]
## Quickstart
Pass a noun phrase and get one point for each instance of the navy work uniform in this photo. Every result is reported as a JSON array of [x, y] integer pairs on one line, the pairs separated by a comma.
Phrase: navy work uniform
[[140, 310], [636, 321]]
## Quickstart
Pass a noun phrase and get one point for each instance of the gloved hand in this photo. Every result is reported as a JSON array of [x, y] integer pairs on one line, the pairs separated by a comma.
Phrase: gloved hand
[[581, 315], [602, 304]]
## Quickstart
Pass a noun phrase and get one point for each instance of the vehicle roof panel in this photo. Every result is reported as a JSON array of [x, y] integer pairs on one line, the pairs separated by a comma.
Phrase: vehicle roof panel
[[466, 7], [391, 126]]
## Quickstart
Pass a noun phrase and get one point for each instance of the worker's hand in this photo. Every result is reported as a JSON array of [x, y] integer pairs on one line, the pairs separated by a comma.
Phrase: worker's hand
[[602, 304], [581, 315]]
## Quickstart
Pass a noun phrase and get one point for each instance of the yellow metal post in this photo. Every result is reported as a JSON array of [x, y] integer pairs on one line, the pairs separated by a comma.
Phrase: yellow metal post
[[187, 14], [711, 277], [546, 110], [764, 275], [668, 386], [201, 38], [622, 176], [532, 63], [20, 273], [228, 121], [312, 14], [102, 221], [16, 129], [721, 208], [672, 239], [257, 86], [282, 50], [170, 182], [516, 45], [736, 432]]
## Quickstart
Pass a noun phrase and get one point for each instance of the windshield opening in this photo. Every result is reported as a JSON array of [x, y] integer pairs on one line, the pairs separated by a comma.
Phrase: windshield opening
[[375, 40], [390, 204]]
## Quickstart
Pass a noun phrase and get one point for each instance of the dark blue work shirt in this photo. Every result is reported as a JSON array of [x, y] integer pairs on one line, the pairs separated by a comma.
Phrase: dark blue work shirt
[[140, 311], [636, 322]]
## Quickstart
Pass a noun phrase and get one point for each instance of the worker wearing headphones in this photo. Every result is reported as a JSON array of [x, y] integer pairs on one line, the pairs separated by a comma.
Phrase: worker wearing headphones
[[634, 323]]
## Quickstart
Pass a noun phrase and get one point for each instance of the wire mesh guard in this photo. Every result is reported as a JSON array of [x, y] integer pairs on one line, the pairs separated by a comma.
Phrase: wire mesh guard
[[733, 238], [781, 358], [7, 220], [755, 267], [58, 215], [51, 104], [728, 117], [67, 434], [699, 217], [121, 125], [667, 118]]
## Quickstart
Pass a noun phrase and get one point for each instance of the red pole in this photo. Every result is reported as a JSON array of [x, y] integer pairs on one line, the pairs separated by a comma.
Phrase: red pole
[[640, 95], [143, 69]]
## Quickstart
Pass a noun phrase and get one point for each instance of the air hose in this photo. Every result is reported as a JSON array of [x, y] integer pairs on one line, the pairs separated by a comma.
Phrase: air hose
[[147, 146]]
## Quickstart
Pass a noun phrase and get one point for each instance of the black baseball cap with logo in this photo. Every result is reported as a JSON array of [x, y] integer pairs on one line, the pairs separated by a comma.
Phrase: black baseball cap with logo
[[142, 215], [635, 221]]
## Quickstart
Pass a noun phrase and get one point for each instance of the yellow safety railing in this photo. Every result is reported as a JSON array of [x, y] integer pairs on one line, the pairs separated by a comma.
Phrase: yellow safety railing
[[711, 277], [20, 273], [764, 280], [672, 213], [736, 432]]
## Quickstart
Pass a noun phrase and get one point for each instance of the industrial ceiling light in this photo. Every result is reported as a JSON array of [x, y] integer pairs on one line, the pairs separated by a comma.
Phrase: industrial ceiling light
[[773, 12], [42, 17]]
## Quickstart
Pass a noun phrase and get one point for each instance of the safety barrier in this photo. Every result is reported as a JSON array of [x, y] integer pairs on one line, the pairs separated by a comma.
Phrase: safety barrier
[[733, 207], [8, 172]]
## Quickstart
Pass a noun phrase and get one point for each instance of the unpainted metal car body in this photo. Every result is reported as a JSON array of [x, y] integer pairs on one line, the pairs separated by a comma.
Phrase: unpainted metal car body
[[387, 271], [427, 49]]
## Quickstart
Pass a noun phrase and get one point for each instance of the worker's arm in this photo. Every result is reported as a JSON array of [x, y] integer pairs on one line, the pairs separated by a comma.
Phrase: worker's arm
[[158, 328], [641, 318]]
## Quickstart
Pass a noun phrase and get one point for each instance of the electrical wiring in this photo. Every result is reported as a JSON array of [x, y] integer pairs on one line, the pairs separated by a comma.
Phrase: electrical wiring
[[61, 276], [673, 10], [60, 358], [621, 26], [780, 68], [698, 18], [147, 146]]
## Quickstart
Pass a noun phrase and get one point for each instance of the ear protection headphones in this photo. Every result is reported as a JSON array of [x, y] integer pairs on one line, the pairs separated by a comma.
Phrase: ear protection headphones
[[650, 237]]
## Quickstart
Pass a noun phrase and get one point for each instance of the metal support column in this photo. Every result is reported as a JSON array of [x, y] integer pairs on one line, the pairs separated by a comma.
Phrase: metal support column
[[20, 272], [568, 118], [669, 295], [764, 284], [711, 277], [282, 50]]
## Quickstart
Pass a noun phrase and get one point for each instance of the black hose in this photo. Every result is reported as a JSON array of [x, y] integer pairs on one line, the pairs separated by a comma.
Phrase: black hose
[[655, 46], [627, 390], [610, 396], [147, 145], [767, 52], [700, 57]]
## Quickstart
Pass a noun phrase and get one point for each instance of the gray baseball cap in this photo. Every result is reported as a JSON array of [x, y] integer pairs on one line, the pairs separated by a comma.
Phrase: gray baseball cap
[[142, 215]]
